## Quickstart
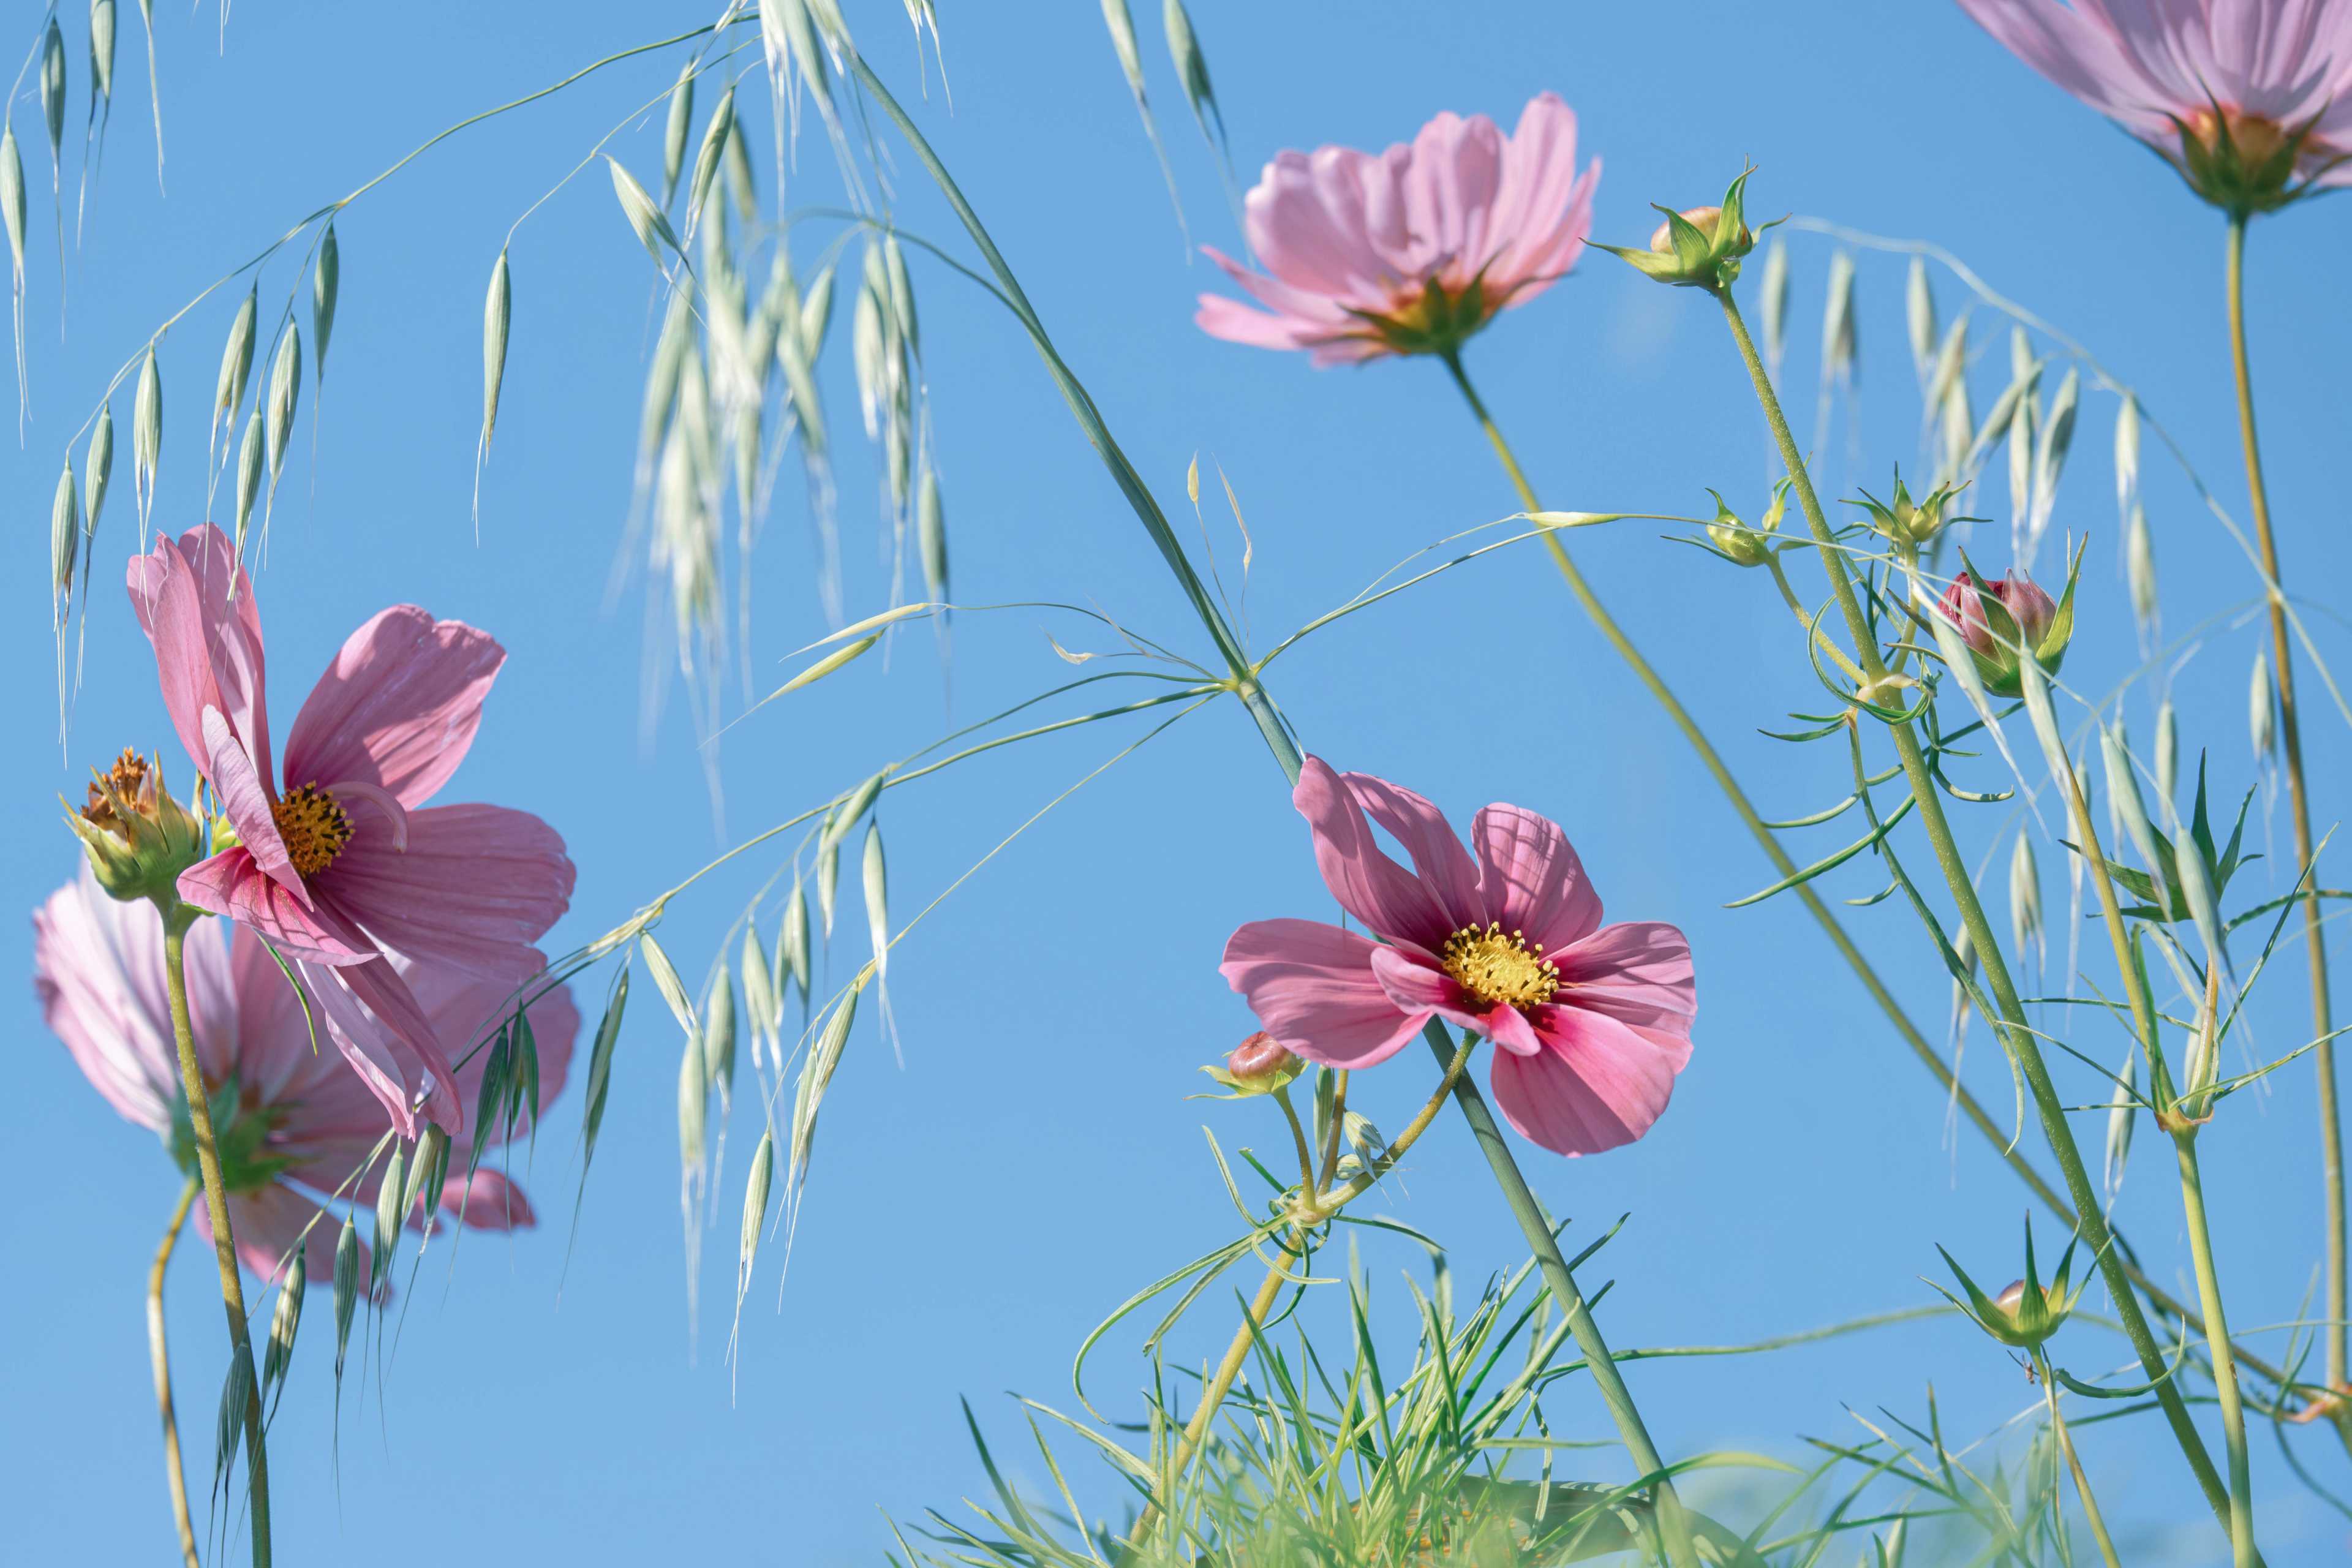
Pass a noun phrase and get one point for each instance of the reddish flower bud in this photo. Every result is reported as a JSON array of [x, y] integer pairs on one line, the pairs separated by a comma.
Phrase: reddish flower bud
[[2019, 620], [1261, 1057]]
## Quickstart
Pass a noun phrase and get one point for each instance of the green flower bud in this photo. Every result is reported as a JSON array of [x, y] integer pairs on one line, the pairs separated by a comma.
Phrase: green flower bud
[[2028, 1312], [1740, 544], [1700, 249], [1907, 522], [139, 839]]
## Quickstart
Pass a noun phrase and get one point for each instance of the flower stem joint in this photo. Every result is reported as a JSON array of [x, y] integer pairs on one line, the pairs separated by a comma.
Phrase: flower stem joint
[[1911, 523], [1698, 248], [2027, 1313], [139, 839]]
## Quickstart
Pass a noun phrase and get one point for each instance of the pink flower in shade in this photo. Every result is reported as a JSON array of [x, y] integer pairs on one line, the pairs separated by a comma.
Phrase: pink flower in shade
[[1414, 250], [2219, 88], [1591, 1022], [298, 1124], [347, 865]]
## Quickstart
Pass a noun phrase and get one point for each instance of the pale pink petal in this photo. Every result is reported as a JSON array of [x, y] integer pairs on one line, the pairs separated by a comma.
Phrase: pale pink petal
[[195, 604], [231, 884], [476, 885], [388, 1041], [98, 973], [1638, 971], [1306, 217], [1438, 858], [268, 1223], [1508, 1027], [2078, 50], [488, 1201], [1530, 880], [1596, 1085], [397, 707], [245, 799], [1387, 898], [1312, 987], [1457, 167], [1236, 323]]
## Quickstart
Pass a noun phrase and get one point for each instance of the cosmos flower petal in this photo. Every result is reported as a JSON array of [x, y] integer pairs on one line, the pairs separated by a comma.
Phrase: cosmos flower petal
[[1313, 988], [397, 707]]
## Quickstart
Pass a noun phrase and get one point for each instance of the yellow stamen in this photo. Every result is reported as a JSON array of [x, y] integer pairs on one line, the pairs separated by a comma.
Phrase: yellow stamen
[[314, 827], [1499, 967]]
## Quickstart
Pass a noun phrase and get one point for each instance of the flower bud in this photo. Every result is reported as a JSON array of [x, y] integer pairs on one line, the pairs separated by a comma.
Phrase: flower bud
[[1259, 1064], [1740, 544], [2007, 620], [1698, 248], [2027, 1313], [2262, 708], [1907, 522], [138, 838]]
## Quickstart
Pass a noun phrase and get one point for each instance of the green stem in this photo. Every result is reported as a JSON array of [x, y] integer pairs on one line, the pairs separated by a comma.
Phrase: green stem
[[2216, 1337], [200, 1120], [175, 1475], [2066, 1441], [2090, 1220], [2331, 1133]]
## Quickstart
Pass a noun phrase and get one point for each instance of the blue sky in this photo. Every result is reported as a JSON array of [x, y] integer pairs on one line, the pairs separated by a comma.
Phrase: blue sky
[[974, 1212]]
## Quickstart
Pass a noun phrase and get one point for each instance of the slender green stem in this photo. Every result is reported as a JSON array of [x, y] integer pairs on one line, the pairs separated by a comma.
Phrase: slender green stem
[[200, 1120], [1299, 1139], [2066, 1441], [2090, 1220], [1797, 608], [2217, 1336], [2323, 1056], [173, 1475]]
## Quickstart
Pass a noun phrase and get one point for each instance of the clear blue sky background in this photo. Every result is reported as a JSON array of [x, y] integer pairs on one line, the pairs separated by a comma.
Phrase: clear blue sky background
[[975, 1212]]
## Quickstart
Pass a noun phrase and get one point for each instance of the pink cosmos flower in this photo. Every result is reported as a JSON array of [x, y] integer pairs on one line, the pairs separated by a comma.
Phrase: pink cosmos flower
[[346, 866], [293, 1125], [1593, 1022], [2220, 87], [1412, 251]]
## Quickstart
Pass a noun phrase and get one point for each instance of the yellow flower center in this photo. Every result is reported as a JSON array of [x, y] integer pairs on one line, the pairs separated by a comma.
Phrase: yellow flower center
[[314, 827], [1499, 968]]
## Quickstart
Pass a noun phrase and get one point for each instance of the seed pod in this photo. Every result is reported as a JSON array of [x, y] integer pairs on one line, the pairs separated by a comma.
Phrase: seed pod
[[2057, 435], [2167, 752], [2139, 565], [693, 1103], [248, 475], [1951, 364], [2262, 708], [931, 537], [666, 982], [2123, 798], [877, 880], [426, 1169], [816, 1076], [1121, 23], [816, 313], [2021, 463], [707, 157], [12, 201], [828, 878], [600, 1070], [285, 1322], [285, 392], [794, 957], [236, 358], [146, 436], [902, 295], [98, 467], [755, 1210], [101, 51], [1841, 339], [653, 230], [1919, 314], [2127, 455], [347, 1288], [326, 285], [2020, 354], [1775, 290], [681, 120], [53, 92], [387, 1211], [2024, 895], [869, 351], [760, 1002], [2122, 1115], [739, 187], [237, 1393], [719, 1033], [498, 315], [1191, 66], [65, 536]]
